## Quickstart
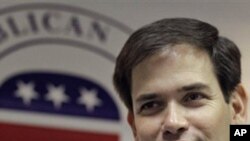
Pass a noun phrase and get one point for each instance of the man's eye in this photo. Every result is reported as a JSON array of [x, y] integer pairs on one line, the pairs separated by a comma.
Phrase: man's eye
[[151, 107], [193, 96], [194, 99]]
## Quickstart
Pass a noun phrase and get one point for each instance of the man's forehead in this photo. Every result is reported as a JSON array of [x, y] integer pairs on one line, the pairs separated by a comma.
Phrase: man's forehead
[[173, 53], [173, 69]]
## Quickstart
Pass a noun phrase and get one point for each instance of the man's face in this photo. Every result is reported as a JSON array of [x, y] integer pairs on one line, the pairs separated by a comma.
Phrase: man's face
[[176, 97]]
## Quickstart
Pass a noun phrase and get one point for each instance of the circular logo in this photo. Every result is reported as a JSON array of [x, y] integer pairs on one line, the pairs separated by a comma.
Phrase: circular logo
[[56, 65]]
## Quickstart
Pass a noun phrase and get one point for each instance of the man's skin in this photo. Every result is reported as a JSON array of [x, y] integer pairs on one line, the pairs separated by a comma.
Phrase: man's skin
[[176, 97]]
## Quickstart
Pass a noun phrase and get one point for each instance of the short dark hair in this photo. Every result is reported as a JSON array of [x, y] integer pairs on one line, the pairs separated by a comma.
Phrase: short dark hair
[[148, 40]]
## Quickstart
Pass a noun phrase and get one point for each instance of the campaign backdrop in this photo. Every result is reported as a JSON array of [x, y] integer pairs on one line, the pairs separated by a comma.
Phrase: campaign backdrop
[[57, 60]]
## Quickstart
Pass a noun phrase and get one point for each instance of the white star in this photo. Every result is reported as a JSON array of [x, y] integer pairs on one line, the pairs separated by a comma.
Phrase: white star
[[89, 99], [56, 95], [26, 92]]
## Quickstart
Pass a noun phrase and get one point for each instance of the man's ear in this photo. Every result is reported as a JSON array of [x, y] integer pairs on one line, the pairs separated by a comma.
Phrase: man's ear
[[239, 102], [131, 121]]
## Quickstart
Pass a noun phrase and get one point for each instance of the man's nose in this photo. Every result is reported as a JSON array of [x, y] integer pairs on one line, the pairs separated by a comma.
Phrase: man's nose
[[175, 121]]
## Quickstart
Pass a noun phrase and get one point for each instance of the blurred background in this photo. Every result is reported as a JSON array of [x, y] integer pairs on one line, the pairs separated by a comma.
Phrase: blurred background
[[57, 59]]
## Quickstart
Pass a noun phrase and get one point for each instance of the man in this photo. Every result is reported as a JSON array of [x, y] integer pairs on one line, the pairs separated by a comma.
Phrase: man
[[181, 81]]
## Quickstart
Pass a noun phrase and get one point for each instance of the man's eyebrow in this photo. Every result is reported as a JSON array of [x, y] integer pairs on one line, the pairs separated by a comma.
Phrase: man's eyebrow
[[146, 97], [191, 87], [194, 86]]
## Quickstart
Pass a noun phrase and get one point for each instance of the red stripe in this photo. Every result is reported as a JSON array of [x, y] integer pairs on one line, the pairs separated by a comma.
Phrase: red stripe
[[11, 132]]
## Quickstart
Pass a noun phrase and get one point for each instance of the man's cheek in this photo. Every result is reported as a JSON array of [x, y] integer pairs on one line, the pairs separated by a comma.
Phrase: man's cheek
[[148, 130]]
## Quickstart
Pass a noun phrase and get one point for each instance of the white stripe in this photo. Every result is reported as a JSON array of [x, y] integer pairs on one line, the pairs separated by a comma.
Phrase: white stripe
[[63, 122]]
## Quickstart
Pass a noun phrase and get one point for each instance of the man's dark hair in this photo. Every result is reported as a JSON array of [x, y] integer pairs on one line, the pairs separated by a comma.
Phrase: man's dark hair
[[152, 38]]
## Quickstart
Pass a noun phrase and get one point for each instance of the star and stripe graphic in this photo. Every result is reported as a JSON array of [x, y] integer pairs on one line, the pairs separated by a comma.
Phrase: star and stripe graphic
[[52, 106]]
